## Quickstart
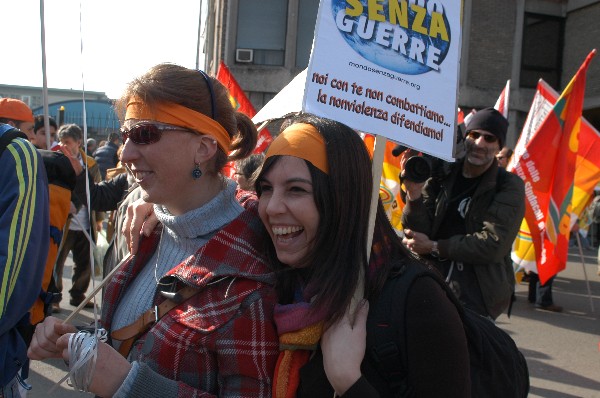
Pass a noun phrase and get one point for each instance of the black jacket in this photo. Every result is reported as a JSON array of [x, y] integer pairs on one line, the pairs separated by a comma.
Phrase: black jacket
[[106, 157], [436, 353], [492, 223]]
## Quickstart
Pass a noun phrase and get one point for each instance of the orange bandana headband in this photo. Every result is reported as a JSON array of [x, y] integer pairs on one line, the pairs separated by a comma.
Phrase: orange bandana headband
[[303, 141], [181, 116]]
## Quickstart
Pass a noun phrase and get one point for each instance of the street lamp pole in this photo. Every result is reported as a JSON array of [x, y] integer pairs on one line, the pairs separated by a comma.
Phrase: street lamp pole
[[199, 36]]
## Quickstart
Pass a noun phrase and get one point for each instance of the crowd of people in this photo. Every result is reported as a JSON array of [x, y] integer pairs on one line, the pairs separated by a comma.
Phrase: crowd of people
[[246, 286]]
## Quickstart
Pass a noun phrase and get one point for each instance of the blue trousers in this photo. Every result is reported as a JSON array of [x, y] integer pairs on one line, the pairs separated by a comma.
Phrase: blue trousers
[[540, 294], [11, 390]]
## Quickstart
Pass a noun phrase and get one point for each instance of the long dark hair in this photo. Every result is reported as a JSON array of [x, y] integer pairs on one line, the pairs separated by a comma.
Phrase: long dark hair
[[342, 198]]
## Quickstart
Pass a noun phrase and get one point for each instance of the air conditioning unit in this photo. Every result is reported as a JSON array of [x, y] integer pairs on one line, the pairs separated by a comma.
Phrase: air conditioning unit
[[244, 55]]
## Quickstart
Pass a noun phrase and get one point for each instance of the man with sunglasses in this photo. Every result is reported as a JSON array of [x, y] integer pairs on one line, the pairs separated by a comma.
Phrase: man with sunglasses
[[467, 220]]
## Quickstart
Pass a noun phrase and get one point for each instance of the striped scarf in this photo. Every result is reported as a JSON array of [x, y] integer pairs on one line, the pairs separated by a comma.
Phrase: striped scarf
[[299, 332]]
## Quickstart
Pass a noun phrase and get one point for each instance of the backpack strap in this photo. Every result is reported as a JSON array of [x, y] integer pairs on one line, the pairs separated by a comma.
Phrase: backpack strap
[[9, 134], [130, 333], [386, 328]]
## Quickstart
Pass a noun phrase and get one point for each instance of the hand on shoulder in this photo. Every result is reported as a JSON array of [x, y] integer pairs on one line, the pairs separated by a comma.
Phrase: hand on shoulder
[[343, 345]]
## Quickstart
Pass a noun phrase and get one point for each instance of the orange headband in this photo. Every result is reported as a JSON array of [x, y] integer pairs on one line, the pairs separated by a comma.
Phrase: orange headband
[[181, 116], [303, 141]]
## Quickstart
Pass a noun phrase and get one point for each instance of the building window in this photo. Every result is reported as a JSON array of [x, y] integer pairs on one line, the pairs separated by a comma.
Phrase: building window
[[542, 50], [261, 26], [36, 101], [307, 18]]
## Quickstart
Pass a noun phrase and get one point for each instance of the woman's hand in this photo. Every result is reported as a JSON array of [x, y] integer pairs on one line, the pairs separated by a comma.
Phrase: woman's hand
[[343, 345], [110, 371], [43, 342], [140, 219]]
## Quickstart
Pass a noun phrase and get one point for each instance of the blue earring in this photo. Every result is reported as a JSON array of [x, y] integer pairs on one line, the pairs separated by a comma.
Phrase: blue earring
[[196, 173]]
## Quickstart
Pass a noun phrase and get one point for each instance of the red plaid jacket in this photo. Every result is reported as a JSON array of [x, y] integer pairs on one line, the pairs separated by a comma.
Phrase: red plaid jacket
[[222, 341]]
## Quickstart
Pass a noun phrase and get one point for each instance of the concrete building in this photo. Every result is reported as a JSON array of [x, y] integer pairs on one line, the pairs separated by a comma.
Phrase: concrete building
[[32, 96], [66, 106], [266, 43]]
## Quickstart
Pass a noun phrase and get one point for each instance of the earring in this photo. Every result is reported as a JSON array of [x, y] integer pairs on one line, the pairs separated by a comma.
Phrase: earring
[[196, 173]]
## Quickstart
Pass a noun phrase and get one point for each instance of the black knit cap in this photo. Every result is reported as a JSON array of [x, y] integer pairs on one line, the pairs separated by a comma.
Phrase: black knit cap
[[489, 119]]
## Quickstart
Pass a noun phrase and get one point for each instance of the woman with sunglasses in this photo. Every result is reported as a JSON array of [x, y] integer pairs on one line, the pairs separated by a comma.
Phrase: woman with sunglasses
[[192, 310], [315, 206]]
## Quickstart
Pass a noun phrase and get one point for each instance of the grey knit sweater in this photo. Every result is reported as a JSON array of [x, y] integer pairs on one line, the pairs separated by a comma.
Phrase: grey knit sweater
[[182, 236]]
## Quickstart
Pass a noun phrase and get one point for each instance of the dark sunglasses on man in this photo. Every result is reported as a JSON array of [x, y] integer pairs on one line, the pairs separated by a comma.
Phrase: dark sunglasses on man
[[489, 138]]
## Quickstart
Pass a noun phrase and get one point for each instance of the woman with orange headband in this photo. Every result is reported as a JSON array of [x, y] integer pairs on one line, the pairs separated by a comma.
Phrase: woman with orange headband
[[314, 196], [192, 310]]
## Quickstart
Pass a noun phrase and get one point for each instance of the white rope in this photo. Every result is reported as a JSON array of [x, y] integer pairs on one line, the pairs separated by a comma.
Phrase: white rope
[[83, 345], [83, 351]]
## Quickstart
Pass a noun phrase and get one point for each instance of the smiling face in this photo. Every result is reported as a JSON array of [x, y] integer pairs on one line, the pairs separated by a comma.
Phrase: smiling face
[[287, 209], [163, 169]]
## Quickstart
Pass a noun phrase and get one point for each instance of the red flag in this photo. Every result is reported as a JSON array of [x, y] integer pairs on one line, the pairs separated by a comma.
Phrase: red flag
[[548, 167], [468, 117], [241, 103], [502, 102], [460, 119], [587, 169]]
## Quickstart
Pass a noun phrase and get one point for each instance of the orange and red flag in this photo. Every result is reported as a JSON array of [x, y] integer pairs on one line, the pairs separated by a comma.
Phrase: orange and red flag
[[548, 168], [241, 103]]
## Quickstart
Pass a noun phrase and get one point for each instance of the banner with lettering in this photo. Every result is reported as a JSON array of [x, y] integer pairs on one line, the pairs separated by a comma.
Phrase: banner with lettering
[[388, 68], [548, 168], [587, 169]]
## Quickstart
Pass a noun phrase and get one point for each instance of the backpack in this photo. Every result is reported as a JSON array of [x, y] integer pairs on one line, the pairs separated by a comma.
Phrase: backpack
[[15, 339], [594, 210], [7, 134], [498, 368]]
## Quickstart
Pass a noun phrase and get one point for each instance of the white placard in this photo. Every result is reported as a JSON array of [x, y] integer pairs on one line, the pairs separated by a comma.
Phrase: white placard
[[388, 68]]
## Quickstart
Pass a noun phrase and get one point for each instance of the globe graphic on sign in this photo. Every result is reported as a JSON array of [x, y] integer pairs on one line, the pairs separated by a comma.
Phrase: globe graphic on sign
[[388, 57]]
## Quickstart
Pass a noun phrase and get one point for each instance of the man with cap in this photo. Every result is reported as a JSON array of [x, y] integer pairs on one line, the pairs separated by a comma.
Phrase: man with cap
[[17, 114], [60, 174], [91, 146], [24, 241], [466, 220]]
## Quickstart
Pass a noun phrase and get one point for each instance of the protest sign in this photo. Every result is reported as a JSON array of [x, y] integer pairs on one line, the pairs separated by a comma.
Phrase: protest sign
[[388, 68]]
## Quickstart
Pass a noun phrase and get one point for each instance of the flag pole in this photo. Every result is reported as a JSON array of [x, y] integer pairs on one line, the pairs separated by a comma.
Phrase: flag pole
[[263, 125], [199, 37], [587, 281], [44, 74], [377, 169]]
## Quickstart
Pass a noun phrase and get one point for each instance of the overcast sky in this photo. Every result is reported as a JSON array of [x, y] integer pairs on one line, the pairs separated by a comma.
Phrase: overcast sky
[[121, 39]]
